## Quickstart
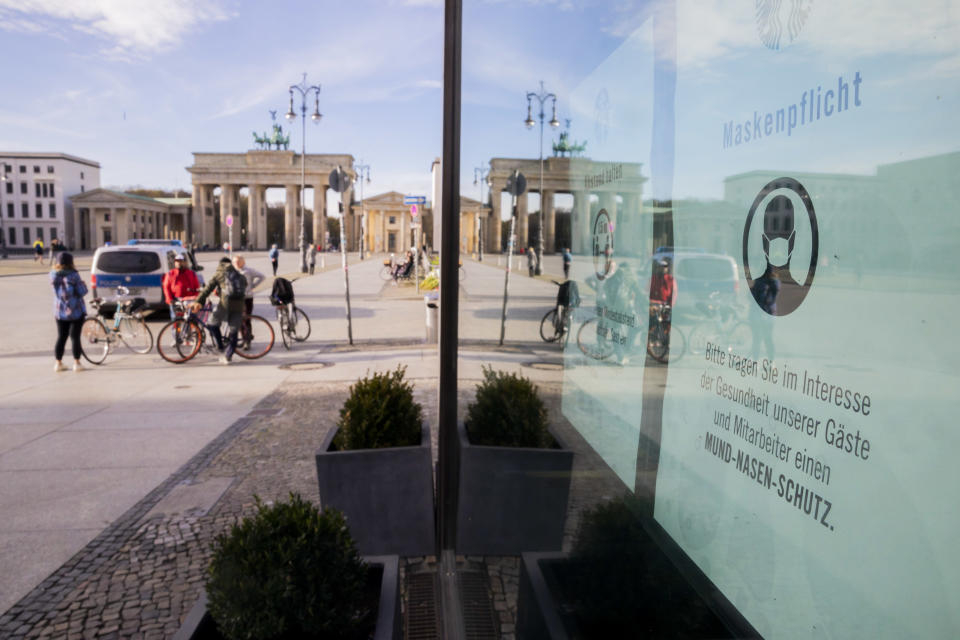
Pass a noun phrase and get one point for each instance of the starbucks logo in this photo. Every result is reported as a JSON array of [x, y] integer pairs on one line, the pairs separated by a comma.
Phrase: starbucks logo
[[779, 22]]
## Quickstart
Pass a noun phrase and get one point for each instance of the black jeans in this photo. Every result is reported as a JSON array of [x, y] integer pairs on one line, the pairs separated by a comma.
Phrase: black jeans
[[65, 328]]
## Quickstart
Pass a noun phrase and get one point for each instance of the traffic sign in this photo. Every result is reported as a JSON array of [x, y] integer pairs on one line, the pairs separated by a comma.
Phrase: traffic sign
[[339, 180], [413, 210], [229, 221], [421, 200]]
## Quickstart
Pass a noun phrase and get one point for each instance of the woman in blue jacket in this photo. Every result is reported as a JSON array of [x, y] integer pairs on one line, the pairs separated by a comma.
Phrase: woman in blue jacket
[[68, 309]]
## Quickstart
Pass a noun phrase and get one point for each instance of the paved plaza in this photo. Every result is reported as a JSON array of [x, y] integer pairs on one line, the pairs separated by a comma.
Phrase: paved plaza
[[114, 480]]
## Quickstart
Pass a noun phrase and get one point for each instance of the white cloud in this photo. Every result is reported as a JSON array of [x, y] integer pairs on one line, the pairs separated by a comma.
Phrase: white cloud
[[131, 28]]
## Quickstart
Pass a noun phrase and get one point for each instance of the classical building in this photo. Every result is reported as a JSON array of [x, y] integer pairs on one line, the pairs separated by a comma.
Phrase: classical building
[[35, 197], [257, 171], [614, 186], [111, 216], [391, 227]]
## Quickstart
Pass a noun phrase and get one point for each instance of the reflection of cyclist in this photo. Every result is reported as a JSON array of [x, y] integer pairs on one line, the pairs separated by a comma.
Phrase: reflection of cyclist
[[621, 293], [663, 287], [765, 290]]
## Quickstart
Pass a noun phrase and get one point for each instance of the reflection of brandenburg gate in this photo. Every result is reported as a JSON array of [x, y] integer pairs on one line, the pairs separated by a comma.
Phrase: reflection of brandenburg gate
[[258, 171], [617, 187]]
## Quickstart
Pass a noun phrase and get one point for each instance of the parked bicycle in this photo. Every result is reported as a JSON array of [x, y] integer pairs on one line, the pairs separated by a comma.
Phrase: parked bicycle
[[721, 326], [556, 323], [98, 337], [664, 341], [183, 338], [294, 322]]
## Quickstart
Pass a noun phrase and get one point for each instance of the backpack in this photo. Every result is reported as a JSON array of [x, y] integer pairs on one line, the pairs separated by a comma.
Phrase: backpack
[[282, 292], [234, 285]]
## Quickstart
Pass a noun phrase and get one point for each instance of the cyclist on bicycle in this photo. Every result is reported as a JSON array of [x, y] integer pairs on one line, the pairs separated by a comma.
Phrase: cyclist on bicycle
[[663, 287], [179, 282], [232, 287]]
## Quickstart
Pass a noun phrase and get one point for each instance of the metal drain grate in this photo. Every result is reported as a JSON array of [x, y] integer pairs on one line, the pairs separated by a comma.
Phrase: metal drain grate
[[421, 621], [544, 365], [479, 617], [306, 366]]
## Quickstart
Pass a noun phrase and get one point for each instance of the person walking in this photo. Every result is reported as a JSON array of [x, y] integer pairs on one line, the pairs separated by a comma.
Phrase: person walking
[[531, 260], [178, 283], [55, 246], [254, 278], [313, 258], [233, 290], [69, 310], [274, 258], [567, 259], [38, 250]]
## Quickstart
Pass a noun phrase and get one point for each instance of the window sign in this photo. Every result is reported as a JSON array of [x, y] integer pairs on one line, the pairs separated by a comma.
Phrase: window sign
[[809, 430]]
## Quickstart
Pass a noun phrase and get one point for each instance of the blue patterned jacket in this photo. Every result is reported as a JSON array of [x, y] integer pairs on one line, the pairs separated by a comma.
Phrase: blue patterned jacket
[[68, 292]]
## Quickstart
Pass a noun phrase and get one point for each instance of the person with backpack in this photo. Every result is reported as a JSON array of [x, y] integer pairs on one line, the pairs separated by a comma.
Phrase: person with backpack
[[68, 309], [274, 258], [232, 286], [254, 278]]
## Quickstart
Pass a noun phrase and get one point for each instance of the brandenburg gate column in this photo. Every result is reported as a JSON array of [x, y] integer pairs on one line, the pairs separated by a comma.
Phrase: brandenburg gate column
[[202, 214], [549, 221], [290, 211], [227, 200], [319, 215], [523, 222], [580, 224], [255, 238]]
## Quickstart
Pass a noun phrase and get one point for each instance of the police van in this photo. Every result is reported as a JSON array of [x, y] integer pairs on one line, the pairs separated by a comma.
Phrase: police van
[[140, 268]]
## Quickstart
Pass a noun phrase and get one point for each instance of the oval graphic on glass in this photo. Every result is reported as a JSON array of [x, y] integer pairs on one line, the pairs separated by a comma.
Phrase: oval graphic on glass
[[602, 244], [782, 247]]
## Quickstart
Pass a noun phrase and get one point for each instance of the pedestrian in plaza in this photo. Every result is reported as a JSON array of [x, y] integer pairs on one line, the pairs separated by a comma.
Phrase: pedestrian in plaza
[[567, 259], [254, 278], [531, 260], [179, 283], [69, 309], [313, 257], [232, 287], [274, 258], [38, 250]]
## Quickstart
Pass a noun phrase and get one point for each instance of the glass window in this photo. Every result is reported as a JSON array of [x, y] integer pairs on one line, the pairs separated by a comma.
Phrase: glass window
[[81, 175], [128, 262], [36, 168], [24, 210], [38, 189], [39, 210], [51, 190], [9, 209], [23, 169], [9, 184], [44, 189], [39, 233], [49, 168], [23, 187], [53, 209], [12, 235], [26, 235], [81, 189]]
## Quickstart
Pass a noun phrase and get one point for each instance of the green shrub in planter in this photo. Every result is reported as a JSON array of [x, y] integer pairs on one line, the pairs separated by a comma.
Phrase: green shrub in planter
[[379, 412], [507, 412], [289, 571]]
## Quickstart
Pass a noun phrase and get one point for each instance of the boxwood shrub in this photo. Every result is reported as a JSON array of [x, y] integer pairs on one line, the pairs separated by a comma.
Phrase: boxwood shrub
[[507, 412], [379, 412], [289, 571]]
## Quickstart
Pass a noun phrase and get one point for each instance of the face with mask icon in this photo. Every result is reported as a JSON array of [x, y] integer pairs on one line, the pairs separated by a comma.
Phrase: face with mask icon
[[778, 231]]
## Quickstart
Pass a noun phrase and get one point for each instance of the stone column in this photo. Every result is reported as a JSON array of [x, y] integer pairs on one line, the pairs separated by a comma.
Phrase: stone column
[[291, 229], [549, 221], [253, 217], [580, 222], [522, 222], [319, 214]]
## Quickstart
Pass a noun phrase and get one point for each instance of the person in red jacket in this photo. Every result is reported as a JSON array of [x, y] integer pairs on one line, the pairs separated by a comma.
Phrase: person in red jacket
[[663, 288], [179, 282]]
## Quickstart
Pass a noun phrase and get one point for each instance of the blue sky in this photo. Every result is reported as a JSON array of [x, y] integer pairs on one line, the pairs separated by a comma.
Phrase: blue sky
[[139, 85]]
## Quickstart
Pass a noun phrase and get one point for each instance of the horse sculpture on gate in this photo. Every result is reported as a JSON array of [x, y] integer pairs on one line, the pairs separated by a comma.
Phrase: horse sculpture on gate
[[267, 140]]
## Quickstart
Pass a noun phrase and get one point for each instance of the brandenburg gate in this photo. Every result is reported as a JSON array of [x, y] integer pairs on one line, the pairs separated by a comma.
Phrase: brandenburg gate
[[259, 170]]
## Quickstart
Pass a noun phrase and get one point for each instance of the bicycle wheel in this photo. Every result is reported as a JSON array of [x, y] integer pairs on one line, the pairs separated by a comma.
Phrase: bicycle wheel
[[300, 329], [658, 343], [179, 340], [283, 315], [135, 333], [94, 340], [566, 327], [700, 336], [260, 340], [548, 326], [386, 273], [593, 341]]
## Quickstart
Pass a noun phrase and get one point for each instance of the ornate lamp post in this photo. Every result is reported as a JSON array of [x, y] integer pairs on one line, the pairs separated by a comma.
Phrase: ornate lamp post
[[480, 175], [541, 97], [315, 116], [360, 168]]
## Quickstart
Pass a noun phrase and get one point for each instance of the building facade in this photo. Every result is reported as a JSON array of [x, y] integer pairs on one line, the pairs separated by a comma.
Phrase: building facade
[[35, 197], [111, 216]]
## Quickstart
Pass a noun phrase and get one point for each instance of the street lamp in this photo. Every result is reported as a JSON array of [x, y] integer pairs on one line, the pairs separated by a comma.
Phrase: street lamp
[[480, 175], [360, 168], [315, 116], [541, 97]]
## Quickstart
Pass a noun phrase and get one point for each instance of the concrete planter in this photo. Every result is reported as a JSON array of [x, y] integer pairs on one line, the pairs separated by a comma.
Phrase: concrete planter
[[538, 612], [386, 495], [511, 499], [199, 624]]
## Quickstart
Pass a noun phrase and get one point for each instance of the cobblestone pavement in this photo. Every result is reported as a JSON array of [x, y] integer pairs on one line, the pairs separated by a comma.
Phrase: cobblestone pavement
[[140, 577]]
